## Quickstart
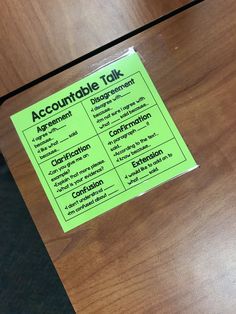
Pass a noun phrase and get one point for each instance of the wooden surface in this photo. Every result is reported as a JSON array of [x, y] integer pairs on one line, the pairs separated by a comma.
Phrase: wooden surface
[[172, 250], [38, 36]]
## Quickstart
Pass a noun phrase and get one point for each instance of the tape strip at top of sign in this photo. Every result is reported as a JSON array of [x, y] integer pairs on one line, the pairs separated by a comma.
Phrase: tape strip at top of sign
[[102, 141]]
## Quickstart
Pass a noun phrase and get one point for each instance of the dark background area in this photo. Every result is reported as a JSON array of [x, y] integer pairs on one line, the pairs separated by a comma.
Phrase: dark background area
[[28, 280]]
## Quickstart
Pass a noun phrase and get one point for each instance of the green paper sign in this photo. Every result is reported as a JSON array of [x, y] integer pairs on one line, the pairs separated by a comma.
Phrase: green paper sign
[[102, 141]]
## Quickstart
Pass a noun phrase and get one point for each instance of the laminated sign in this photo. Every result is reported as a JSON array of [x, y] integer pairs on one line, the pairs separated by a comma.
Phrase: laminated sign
[[102, 141]]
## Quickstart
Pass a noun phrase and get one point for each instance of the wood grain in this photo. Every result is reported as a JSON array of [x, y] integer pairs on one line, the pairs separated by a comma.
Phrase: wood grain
[[172, 250], [38, 36]]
